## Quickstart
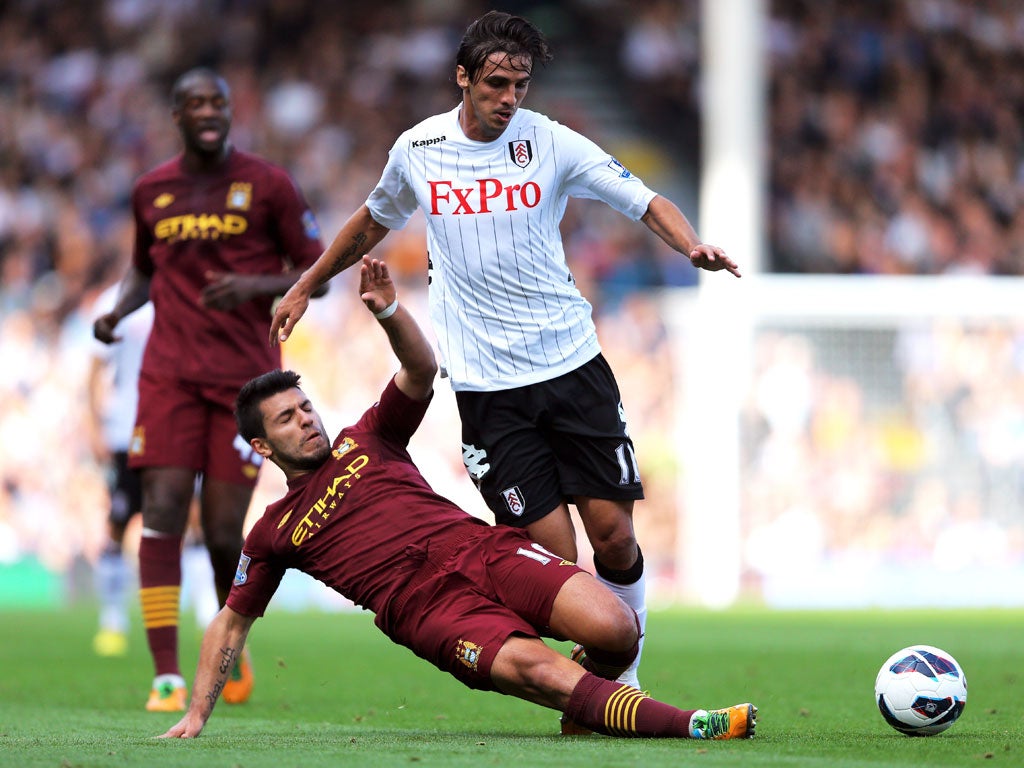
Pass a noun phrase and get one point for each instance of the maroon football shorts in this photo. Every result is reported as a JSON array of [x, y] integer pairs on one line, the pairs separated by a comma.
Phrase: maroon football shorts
[[497, 584], [191, 425]]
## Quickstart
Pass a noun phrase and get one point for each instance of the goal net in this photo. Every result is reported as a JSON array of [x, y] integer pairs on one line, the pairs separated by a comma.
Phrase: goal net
[[850, 441]]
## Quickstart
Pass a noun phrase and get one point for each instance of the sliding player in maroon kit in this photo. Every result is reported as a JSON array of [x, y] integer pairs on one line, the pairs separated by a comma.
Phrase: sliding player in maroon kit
[[471, 598], [219, 234]]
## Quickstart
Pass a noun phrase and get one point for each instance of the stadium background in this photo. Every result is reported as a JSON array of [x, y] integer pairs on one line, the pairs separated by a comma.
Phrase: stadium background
[[879, 425]]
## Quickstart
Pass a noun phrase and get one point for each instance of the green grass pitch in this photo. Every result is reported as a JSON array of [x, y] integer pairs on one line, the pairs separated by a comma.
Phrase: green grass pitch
[[332, 691]]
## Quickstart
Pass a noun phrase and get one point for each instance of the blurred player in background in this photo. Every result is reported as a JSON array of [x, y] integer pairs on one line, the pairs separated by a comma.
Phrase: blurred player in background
[[472, 598], [543, 425], [113, 397], [219, 234]]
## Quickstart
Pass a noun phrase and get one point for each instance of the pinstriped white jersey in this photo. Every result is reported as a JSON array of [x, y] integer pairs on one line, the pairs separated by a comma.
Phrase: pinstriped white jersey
[[504, 306]]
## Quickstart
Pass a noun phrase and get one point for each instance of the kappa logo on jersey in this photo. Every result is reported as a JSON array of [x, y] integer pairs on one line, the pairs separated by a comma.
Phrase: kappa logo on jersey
[[428, 142], [514, 500], [619, 168], [475, 461], [521, 152], [239, 196], [446, 198], [162, 201], [241, 571]]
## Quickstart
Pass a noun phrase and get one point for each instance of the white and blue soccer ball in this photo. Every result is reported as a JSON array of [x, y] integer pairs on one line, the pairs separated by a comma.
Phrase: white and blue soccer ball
[[921, 690]]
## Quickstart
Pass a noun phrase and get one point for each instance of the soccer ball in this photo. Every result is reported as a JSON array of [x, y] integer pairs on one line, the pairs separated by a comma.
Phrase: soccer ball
[[921, 690]]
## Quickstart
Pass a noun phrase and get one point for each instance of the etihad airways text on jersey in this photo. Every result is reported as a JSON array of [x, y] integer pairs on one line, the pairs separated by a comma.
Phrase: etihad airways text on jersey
[[487, 196]]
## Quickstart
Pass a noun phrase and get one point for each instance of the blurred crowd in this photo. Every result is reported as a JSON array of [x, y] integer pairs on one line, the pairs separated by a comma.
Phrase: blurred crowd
[[895, 146], [886, 465], [895, 136]]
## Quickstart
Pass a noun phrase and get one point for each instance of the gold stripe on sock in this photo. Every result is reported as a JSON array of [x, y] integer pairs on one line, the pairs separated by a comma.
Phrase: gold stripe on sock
[[620, 711], [160, 606]]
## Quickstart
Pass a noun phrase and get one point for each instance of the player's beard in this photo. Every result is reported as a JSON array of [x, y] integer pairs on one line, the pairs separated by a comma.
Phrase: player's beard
[[305, 462], [313, 462]]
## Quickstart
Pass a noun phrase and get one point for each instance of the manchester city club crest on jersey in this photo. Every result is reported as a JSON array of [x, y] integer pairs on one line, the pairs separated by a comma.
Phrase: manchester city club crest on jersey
[[521, 152], [240, 196], [468, 653]]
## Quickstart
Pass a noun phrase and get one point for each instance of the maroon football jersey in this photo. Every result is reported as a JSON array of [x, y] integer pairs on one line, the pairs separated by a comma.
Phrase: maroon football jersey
[[361, 523], [246, 217]]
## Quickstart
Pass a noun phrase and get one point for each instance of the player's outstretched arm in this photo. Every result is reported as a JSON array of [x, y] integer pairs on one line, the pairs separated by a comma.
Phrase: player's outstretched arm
[[359, 235], [222, 645], [416, 376], [664, 219]]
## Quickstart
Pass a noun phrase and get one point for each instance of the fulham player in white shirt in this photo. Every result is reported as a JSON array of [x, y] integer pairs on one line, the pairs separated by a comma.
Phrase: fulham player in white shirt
[[543, 425]]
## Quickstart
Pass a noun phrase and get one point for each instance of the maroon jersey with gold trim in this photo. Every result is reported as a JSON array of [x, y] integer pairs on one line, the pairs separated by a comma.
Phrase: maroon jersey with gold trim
[[361, 523], [247, 217]]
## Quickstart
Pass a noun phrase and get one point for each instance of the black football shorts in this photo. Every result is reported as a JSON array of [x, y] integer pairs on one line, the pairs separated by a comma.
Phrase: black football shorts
[[532, 447], [125, 486]]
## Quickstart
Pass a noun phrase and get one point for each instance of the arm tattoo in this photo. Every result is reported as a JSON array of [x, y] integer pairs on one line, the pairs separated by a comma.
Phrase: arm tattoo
[[350, 255], [228, 655], [214, 694], [227, 659]]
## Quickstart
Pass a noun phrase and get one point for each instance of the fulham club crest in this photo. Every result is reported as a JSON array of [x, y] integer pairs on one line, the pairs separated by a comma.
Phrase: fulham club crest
[[521, 152]]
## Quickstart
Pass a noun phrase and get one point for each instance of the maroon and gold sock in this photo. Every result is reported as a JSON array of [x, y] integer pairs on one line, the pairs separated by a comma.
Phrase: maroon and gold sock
[[614, 709], [160, 592]]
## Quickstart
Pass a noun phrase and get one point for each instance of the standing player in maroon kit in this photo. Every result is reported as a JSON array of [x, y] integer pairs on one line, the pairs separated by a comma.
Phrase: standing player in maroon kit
[[219, 234], [471, 598]]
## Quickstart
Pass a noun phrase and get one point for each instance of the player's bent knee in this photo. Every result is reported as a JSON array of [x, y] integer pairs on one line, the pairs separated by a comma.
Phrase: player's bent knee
[[615, 628], [617, 549]]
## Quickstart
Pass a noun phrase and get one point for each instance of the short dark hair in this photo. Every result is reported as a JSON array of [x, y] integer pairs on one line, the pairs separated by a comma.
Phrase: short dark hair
[[181, 85], [496, 32], [248, 416]]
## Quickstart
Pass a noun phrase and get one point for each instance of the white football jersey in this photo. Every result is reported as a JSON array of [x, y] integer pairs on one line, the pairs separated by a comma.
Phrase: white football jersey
[[504, 306], [124, 360]]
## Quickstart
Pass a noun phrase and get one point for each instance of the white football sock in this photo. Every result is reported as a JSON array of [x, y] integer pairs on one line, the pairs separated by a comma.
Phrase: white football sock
[[633, 595], [111, 586]]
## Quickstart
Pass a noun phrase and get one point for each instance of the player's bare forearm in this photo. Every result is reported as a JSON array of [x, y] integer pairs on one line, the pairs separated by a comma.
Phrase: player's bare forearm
[[664, 219], [418, 366], [221, 648], [131, 294], [357, 237]]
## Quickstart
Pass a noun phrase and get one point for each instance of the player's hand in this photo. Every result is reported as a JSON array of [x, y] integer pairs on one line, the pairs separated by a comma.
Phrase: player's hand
[[188, 727], [226, 290], [712, 258], [288, 312], [103, 328], [375, 286]]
